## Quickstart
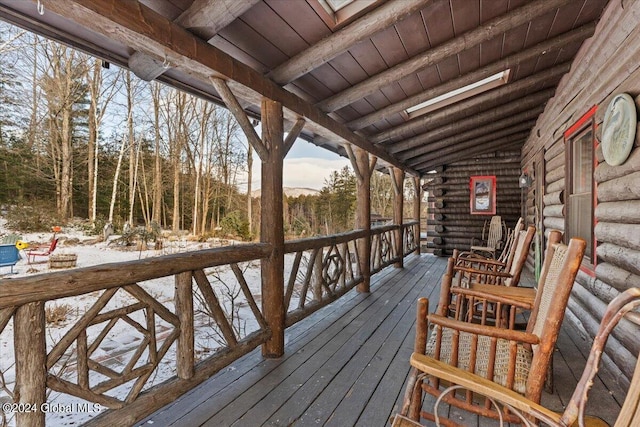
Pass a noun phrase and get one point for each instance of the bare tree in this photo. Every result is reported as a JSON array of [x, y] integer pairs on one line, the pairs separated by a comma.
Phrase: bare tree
[[64, 87], [100, 95], [157, 170]]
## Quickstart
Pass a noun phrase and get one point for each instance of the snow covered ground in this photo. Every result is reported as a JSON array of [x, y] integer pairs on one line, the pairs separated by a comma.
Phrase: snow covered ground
[[119, 345]]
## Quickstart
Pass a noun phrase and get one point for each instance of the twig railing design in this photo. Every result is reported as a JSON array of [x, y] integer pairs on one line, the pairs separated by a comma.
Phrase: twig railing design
[[324, 268], [167, 331], [123, 292], [410, 237]]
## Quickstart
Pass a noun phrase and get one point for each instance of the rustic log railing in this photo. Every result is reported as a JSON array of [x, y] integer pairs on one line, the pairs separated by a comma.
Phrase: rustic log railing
[[171, 331], [324, 268], [384, 248], [77, 364], [410, 237]]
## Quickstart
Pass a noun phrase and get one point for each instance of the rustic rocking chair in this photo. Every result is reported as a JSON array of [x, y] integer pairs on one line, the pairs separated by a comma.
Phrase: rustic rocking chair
[[491, 238], [475, 270], [475, 299], [503, 262], [517, 360], [529, 411]]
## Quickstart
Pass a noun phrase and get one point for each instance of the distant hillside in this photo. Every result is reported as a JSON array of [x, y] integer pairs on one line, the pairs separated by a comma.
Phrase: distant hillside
[[292, 192]]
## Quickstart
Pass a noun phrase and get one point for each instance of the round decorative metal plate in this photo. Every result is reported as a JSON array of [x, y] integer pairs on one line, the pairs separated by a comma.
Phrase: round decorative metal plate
[[619, 129]]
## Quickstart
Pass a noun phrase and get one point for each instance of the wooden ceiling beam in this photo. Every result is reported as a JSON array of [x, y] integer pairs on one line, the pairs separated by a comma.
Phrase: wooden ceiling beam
[[453, 145], [206, 18], [546, 78], [339, 42], [140, 28], [467, 153], [518, 110], [510, 62], [485, 32]]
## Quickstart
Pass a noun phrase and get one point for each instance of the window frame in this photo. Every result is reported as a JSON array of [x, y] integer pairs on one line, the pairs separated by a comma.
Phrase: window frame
[[572, 134]]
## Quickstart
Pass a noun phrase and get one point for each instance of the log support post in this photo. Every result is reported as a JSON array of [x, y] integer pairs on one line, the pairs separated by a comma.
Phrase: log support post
[[271, 149], [31, 360], [272, 226], [397, 179], [184, 310], [363, 165], [417, 210]]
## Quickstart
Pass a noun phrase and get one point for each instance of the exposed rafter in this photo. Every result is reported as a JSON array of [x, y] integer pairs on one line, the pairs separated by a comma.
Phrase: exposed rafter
[[511, 61], [457, 135], [143, 29], [462, 109], [471, 142], [467, 153], [487, 31], [206, 17], [530, 105], [333, 45]]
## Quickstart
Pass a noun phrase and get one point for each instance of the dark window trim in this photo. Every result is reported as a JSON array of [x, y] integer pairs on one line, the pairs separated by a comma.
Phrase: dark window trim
[[587, 120]]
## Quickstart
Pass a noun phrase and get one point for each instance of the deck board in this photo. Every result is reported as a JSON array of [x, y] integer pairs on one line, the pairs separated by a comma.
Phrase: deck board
[[347, 364]]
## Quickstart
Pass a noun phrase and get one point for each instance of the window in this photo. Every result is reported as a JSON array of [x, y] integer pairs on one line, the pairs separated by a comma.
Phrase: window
[[579, 186], [338, 13], [459, 94]]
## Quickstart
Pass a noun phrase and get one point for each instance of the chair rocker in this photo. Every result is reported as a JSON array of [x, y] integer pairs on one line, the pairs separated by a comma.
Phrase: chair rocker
[[529, 411], [517, 360]]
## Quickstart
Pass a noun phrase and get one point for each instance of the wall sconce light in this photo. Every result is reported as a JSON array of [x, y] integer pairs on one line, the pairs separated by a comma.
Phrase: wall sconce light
[[524, 181]]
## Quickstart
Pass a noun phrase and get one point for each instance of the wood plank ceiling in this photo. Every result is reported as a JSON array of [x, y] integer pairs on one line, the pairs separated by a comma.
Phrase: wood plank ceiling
[[352, 75]]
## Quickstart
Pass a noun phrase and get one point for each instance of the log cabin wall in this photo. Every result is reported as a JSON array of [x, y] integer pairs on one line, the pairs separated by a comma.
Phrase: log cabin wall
[[452, 223], [606, 65]]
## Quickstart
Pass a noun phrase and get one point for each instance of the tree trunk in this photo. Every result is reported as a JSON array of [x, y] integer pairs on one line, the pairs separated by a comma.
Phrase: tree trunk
[[132, 149], [157, 175], [94, 90], [249, 179]]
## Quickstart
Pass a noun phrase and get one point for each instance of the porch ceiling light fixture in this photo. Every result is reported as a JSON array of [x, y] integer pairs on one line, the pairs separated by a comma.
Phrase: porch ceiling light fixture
[[459, 94], [146, 67]]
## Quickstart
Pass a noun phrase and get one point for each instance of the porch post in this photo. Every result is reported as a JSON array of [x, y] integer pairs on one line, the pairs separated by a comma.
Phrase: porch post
[[31, 362], [363, 165], [397, 178], [271, 149], [417, 209], [272, 226]]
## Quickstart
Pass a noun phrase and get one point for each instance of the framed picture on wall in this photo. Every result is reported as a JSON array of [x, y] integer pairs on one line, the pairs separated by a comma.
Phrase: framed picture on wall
[[483, 195]]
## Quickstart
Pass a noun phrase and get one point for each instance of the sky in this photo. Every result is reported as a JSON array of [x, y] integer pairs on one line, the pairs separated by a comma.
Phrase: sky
[[306, 166]]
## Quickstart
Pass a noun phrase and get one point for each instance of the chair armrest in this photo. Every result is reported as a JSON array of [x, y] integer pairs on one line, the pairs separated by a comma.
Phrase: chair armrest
[[522, 297], [489, 331], [482, 272], [483, 386], [474, 258]]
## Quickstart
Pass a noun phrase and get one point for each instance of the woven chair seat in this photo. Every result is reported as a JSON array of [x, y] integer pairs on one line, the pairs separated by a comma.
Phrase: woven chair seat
[[501, 365]]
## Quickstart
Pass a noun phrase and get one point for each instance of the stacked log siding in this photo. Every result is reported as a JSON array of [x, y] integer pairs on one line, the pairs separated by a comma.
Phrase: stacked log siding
[[605, 66], [453, 225]]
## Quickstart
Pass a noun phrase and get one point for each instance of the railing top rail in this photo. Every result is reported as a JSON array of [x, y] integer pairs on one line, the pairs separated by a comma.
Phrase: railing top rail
[[384, 228], [44, 287], [322, 241]]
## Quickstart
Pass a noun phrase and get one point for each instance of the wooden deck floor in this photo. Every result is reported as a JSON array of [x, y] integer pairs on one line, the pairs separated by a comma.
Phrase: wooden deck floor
[[346, 365]]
